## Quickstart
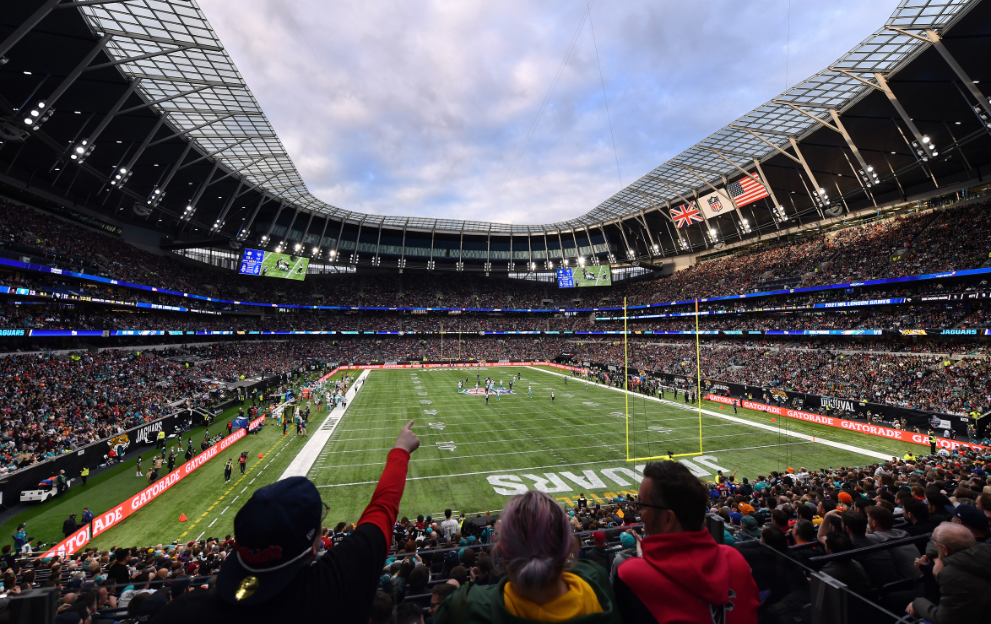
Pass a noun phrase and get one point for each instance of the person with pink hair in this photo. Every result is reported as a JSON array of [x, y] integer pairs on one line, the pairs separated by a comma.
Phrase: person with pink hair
[[535, 544]]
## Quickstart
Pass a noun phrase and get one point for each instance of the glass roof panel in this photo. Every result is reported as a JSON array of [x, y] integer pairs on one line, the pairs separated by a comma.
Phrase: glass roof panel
[[171, 46]]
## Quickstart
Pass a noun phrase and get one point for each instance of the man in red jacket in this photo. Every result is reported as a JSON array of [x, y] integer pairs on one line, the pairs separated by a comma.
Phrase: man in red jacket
[[274, 575], [684, 576]]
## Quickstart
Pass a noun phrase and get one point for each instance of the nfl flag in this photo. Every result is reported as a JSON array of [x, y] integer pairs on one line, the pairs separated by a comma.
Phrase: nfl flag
[[685, 215], [716, 204], [747, 190]]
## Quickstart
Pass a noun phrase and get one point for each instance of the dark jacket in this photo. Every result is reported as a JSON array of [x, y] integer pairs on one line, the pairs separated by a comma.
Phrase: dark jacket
[[69, 527], [601, 556], [879, 565], [964, 587], [902, 556], [850, 573], [486, 604]]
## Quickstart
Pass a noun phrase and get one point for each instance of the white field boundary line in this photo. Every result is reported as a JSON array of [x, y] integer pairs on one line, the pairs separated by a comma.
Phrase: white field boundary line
[[793, 434], [638, 467], [515, 440], [305, 459]]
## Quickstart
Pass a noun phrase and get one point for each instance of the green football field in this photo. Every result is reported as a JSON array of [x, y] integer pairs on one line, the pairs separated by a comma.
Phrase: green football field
[[472, 456], [297, 267]]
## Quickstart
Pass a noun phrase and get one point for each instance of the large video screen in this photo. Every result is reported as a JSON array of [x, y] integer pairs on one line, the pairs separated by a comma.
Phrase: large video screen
[[269, 264], [583, 276]]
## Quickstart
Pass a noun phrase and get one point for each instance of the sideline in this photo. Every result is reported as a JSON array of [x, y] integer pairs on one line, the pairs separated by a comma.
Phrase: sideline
[[743, 421], [305, 459]]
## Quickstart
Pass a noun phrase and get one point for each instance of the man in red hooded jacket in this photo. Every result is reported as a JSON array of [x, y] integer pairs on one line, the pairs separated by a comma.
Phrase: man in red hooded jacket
[[684, 576]]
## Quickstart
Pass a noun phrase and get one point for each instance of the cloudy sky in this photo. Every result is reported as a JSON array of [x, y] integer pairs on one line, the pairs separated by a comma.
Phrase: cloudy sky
[[494, 110]]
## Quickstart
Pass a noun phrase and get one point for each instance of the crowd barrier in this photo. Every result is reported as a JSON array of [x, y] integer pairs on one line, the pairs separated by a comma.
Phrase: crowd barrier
[[119, 513], [849, 425], [135, 439]]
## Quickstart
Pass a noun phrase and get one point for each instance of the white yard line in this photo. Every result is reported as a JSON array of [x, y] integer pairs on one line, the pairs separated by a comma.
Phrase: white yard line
[[557, 466], [213, 523], [742, 421], [305, 459]]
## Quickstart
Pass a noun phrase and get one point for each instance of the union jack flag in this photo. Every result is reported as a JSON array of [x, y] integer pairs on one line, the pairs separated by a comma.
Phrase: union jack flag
[[685, 215]]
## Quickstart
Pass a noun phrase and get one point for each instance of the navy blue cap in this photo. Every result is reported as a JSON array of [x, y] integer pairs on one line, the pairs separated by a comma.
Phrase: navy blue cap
[[273, 534], [970, 517]]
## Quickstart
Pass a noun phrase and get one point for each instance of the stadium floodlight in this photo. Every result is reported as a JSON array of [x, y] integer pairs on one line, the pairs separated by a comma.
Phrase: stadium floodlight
[[187, 214], [121, 178], [581, 261], [549, 265], [81, 151], [376, 261], [316, 251], [533, 266], [298, 246], [745, 226], [37, 116], [332, 253], [657, 248], [564, 262], [430, 265], [155, 197], [458, 266]]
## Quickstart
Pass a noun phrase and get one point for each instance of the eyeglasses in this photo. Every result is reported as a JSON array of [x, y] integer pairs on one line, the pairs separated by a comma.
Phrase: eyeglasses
[[639, 506]]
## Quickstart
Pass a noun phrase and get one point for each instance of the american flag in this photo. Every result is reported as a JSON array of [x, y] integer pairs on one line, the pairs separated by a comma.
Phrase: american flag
[[686, 214], [747, 190]]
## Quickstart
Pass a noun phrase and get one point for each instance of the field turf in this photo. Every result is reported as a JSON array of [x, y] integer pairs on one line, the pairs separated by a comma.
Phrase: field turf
[[472, 455], [270, 269]]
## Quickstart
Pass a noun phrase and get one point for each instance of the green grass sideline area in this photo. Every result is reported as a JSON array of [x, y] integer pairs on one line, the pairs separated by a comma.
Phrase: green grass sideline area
[[473, 455], [111, 487]]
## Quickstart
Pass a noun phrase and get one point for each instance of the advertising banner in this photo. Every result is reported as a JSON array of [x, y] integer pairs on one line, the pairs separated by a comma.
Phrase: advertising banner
[[849, 425], [118, 514]]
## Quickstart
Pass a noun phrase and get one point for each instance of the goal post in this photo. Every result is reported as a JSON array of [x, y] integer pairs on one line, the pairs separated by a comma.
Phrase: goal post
[[631, 450]]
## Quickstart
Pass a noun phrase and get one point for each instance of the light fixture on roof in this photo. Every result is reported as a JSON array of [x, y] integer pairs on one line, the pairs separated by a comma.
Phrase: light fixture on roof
[[533, 266], [155, 197], [120, 177], [37, 115], [81, 151]]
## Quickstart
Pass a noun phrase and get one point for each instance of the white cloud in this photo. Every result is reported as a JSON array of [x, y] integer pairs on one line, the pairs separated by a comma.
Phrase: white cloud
[[420, 108]]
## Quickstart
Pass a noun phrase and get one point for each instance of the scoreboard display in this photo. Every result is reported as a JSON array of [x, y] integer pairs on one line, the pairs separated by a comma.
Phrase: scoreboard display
[[584, 276], [269, 264]]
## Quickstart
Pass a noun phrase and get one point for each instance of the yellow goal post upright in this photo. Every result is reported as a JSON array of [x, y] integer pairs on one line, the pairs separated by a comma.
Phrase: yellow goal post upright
[[626, 390]]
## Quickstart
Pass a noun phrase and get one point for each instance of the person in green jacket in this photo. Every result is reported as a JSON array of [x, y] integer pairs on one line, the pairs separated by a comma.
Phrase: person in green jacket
[[535, 542]]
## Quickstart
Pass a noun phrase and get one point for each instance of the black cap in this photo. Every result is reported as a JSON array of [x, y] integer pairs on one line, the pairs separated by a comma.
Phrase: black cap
[[970, 517], [273, 533]]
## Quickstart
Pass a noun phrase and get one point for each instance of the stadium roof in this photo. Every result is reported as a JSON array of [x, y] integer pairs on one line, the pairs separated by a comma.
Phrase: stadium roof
[[171, 58]]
